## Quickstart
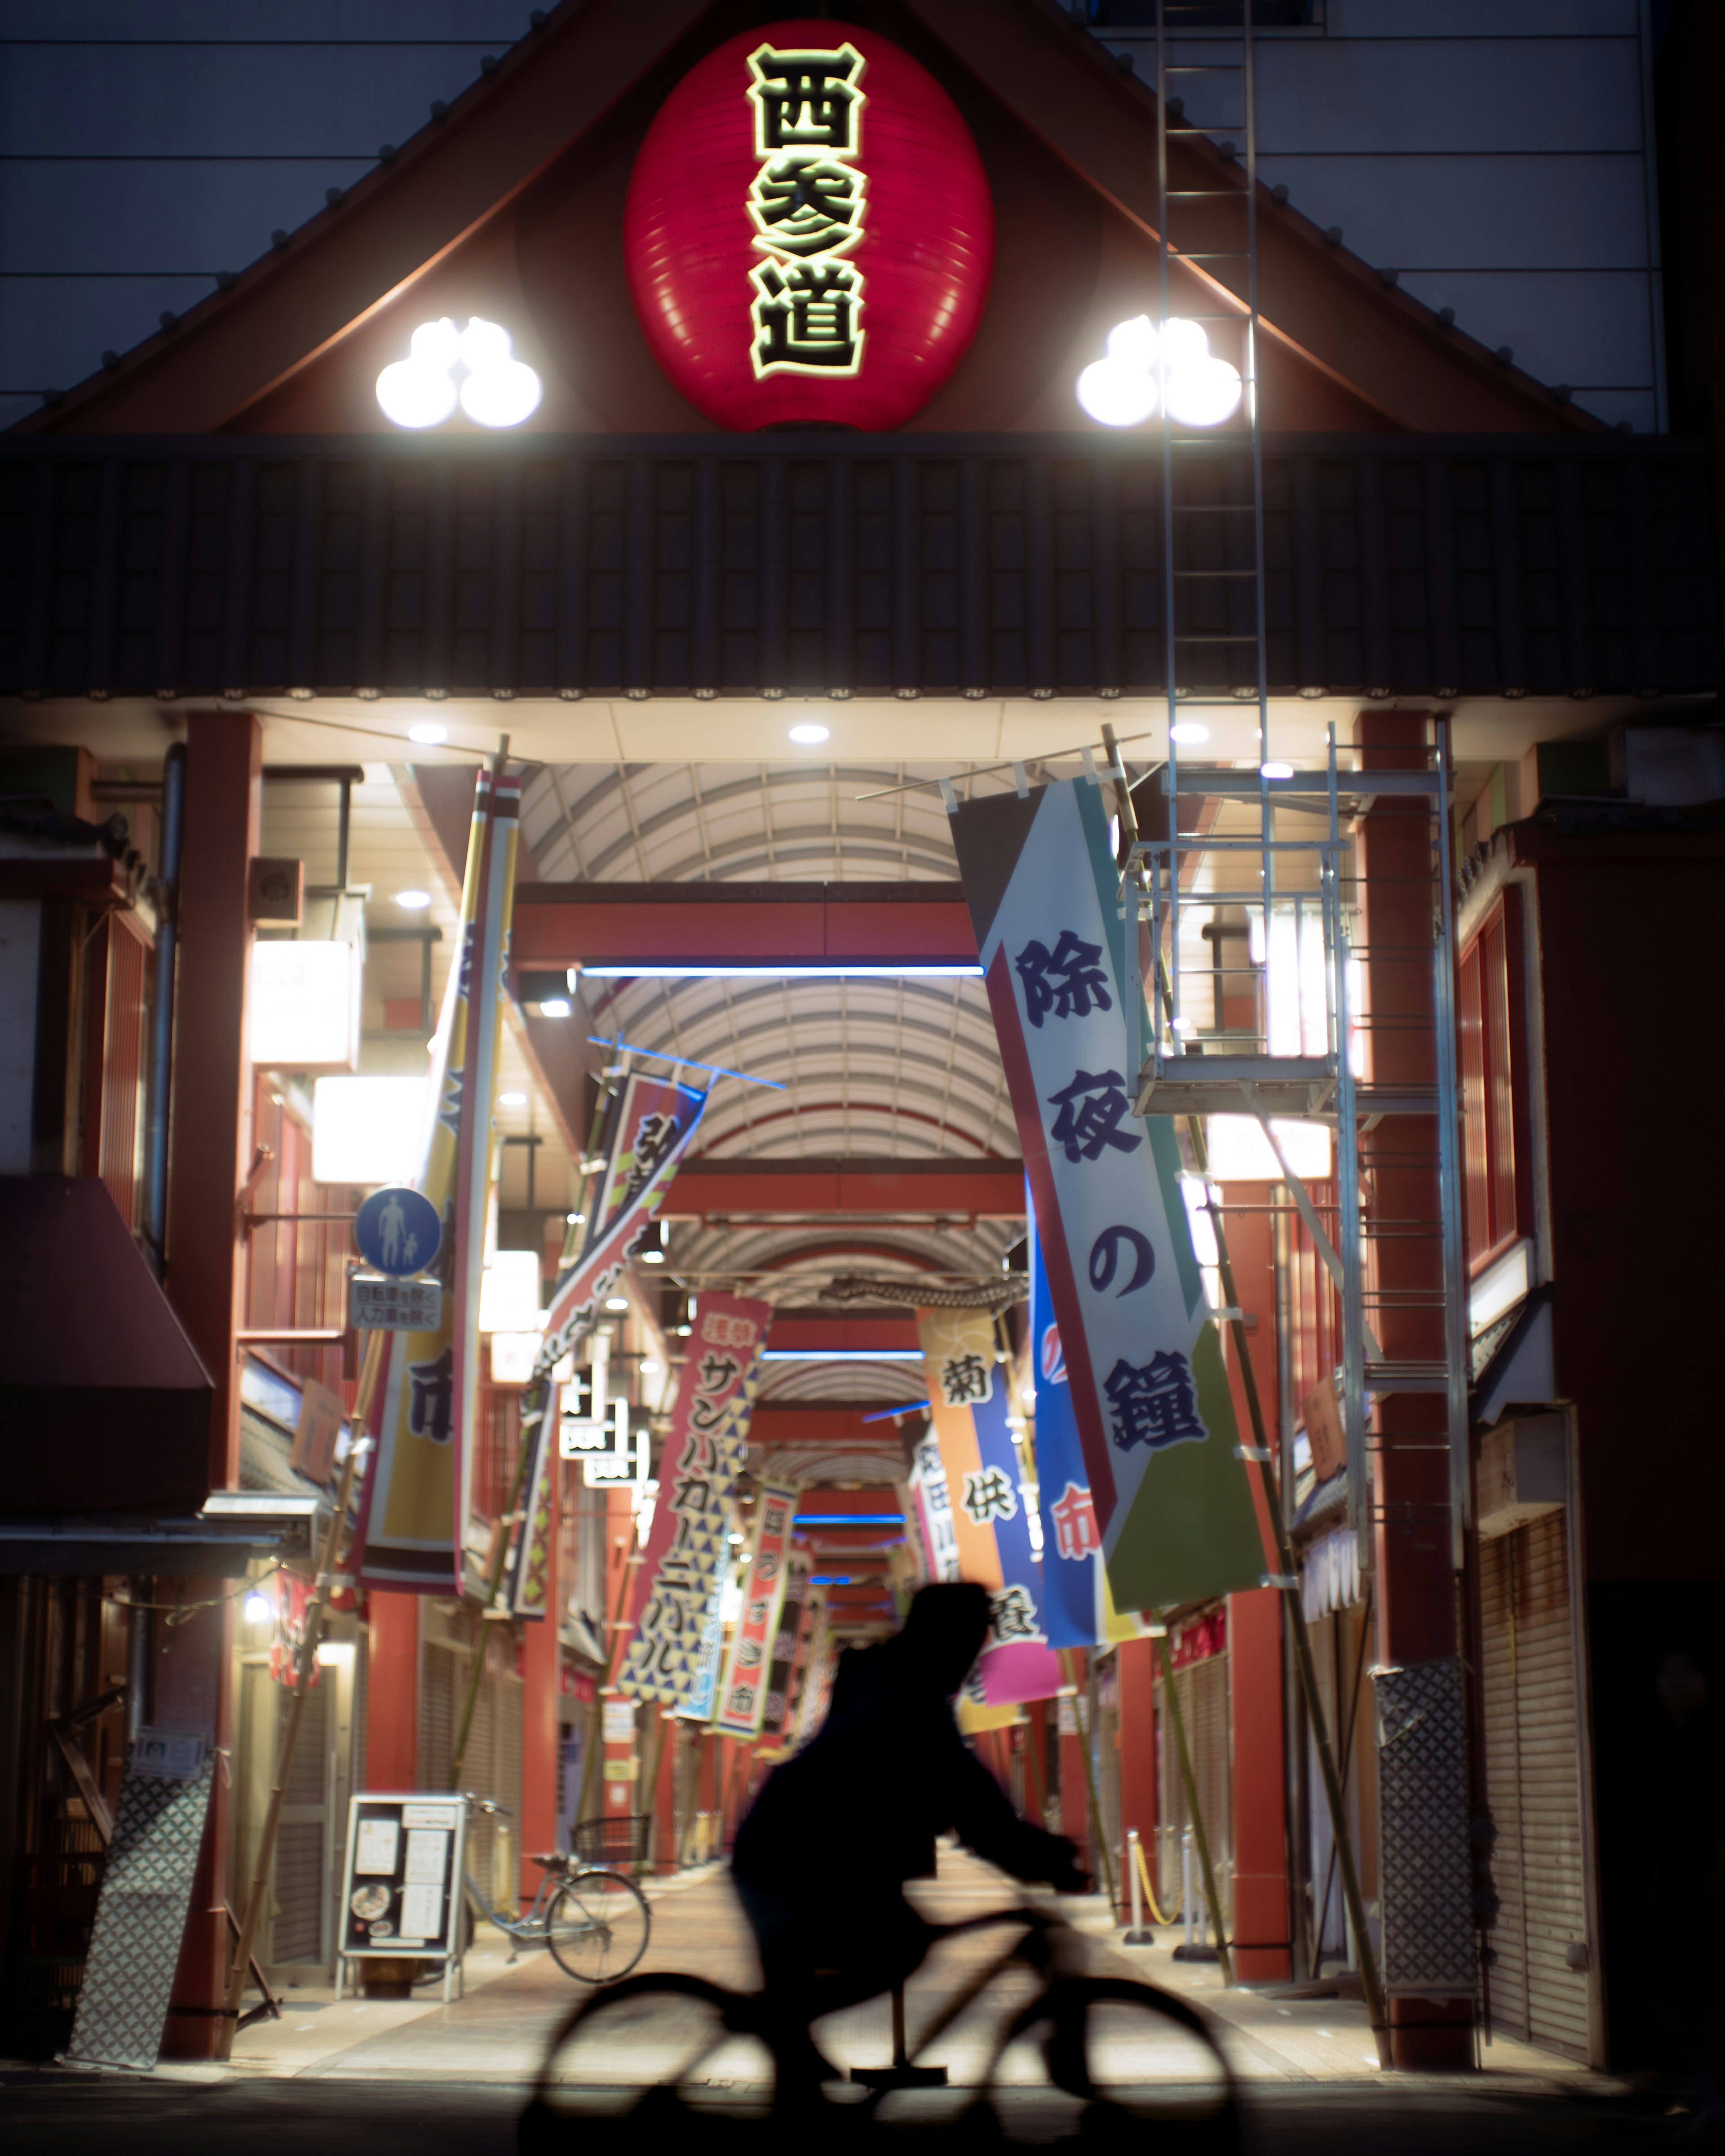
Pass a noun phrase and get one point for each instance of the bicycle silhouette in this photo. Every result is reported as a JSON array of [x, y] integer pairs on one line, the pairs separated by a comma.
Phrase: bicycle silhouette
[[669, 2030]]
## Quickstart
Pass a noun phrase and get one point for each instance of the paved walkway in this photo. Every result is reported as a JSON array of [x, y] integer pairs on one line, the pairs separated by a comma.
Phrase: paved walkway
[[498, 2032]]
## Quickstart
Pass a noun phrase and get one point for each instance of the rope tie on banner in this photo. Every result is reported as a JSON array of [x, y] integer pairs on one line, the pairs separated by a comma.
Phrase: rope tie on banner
[[1156, 1915]]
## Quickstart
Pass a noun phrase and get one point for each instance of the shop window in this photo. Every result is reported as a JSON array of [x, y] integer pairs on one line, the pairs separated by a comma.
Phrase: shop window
[[1492, 1019]]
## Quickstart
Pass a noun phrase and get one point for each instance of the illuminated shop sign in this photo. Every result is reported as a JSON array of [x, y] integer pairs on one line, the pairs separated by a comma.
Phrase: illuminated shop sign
[[807, 205], [809, 236]]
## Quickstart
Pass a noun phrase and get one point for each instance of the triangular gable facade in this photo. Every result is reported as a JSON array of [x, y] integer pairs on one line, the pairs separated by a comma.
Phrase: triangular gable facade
[[509, 206]]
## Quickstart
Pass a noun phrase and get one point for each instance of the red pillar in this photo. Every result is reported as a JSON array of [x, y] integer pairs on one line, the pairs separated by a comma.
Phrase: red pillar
[[212, 1128], [1260, 1857], [661, 1800], [542, 1739], [1136, 1662], [1416, 1589], [393, 1692], [211, 1152]]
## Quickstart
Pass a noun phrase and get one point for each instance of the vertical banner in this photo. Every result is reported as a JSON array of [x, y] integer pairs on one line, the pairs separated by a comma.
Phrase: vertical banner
[[485, 956], [650, 1133], [703, 1456], [699, 1705], [1079, 1609], [1148, 1388], [742, 1697], [790, 1645], [934, 1506], [413, 1507], [967, 1397]]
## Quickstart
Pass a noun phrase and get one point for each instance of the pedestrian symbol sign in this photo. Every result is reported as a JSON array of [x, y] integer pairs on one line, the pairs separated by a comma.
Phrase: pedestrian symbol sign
[[397, 1231]]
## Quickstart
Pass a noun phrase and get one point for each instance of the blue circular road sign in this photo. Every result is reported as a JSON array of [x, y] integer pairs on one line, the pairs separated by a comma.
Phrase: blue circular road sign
[[397, 1230]]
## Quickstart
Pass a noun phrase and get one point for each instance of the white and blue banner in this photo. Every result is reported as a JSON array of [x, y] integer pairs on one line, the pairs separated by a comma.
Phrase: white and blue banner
[[1148, 1390]]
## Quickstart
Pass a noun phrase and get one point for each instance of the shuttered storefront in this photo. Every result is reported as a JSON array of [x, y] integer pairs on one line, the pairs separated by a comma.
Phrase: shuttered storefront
[[1203, 1690], [1533, 1787], [491, 1766]]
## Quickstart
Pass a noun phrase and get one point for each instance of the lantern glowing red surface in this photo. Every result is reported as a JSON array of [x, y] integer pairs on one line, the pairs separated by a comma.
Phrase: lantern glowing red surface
[[808, 233]]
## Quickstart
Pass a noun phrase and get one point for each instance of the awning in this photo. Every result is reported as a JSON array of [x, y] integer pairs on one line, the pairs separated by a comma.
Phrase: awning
[[221, 1539], [104, 1404]]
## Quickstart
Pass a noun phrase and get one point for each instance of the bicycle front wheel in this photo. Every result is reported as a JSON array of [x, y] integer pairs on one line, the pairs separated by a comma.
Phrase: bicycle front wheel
[[598, 1927]]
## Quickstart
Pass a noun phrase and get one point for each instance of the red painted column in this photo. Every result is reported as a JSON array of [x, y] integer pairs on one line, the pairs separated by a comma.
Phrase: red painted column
[[1416, 1594], [211, 1150], [393, 1692], [542, 1739], [661, 1800], [1136, 1661], [1260, 1856], [212, 1128]]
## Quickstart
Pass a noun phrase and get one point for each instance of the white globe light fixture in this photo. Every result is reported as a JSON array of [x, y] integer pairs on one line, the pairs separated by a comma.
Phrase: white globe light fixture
[[496, 388], [1146, 366], [810, 733], [499, 391], [417, 392]]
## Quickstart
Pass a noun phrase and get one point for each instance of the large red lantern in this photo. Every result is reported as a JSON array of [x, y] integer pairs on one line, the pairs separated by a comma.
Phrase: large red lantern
[[808, 233]]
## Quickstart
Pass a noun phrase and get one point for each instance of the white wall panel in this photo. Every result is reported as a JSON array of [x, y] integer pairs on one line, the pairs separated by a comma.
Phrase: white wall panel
[[227, 100], [189, 216], [1579, 326], [1485, 213]]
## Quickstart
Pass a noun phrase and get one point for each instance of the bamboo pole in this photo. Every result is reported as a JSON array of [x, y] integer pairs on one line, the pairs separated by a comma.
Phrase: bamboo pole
[[1194, 1811], [312, 1633]]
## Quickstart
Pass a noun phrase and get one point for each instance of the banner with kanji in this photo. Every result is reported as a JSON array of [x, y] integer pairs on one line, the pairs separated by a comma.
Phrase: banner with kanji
[[1148, 1388], [743, 1695], [1079, 1609], [967, 1397], [703, 1456], [649, 1134], [790, 1646], [933, 1501], [412, 1519]]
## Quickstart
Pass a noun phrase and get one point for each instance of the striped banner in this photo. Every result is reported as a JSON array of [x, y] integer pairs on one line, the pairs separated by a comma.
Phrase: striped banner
[[1148, 1386], [989, 1522], [413, 1506], [742, 1697]]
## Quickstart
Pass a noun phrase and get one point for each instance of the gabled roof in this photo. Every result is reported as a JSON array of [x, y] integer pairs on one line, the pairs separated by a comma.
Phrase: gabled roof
[[453, 192]]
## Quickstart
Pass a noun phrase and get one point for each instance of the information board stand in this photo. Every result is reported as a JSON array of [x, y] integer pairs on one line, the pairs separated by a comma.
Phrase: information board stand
[[402, 1894]]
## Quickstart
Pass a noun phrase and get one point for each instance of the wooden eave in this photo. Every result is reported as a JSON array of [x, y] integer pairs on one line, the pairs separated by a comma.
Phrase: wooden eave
[[465, 169]]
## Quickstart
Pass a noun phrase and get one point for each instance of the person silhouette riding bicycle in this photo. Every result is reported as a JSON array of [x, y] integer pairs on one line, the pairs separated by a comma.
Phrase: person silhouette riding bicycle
[[822, 1857]]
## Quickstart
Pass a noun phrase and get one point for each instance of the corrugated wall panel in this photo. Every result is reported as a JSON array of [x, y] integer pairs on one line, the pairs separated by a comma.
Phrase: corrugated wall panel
[[1532, 1777], [976, 566]]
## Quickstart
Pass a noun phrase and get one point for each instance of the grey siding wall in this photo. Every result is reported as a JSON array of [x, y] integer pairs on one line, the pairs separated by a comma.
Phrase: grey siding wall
[[143, 148], [1496, 153]]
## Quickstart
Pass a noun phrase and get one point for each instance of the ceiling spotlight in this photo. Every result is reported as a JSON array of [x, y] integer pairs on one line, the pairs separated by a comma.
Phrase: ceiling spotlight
[[653, 1257], [556, 1007], [576, 1220], [427, 736], [511, 1100], [1188, 732], [683, 1330], [258, 1609], [414, 901], [1276, 770], [617, 1302], [810, 733]]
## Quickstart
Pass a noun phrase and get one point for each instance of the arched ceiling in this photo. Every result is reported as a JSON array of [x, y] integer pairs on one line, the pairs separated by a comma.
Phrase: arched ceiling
[[904, 1068]]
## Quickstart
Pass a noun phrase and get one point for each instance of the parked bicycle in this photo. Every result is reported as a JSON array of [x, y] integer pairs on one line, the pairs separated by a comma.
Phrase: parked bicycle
[[595, 1921], [654, 2040]]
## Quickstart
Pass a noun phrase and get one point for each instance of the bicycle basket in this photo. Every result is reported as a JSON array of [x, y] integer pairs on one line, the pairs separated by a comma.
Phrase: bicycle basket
[[622, 1841]]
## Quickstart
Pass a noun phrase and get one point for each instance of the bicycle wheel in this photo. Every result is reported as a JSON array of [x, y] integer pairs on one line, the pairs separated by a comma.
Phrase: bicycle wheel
[[598, 1927], [658, 2041], [1136, 2056]]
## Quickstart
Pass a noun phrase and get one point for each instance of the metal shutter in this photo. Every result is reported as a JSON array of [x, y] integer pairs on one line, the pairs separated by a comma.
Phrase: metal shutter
[[301, 1853], [1203, 1706], [1532, 1780]]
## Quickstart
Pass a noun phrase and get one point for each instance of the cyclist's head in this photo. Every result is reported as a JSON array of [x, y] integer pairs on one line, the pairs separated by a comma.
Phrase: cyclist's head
[[944, 1632]]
